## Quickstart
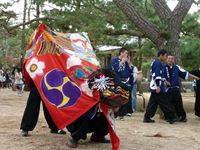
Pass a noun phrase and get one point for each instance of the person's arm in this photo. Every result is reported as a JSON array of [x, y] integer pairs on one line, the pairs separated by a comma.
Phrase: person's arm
[[16, 75], [195, 72], [186, 75], [157, 75], [116, 65], [194, 77]]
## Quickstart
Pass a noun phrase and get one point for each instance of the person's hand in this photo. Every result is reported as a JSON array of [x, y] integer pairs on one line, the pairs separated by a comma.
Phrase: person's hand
[[197, 78], [167, 83], [124, 59], [122, 62], [158, 89]]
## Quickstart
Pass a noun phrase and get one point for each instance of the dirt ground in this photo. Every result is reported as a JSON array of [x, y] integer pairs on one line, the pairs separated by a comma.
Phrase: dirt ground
[[133, 133]]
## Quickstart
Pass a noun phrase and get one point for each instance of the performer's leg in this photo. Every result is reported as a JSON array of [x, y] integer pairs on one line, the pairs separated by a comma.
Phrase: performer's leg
[[79, 128], [31, 112], [179, 107], [50, 122], [48, 118], [166, 107], [99, 125], [171, 99], [197, 103], [151, 108]]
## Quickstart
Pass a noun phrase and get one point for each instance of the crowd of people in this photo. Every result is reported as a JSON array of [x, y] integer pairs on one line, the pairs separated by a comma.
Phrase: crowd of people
[[6, 78], [12, 79]]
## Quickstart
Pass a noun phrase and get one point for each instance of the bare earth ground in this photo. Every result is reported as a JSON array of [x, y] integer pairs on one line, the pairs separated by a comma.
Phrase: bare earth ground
[[133, 133]]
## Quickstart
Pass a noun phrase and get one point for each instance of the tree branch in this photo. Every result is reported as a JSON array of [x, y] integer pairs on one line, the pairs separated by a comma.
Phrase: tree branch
[[181, 11], [162, 10], [147, 28], [124, 32], [29, 22], [99, 8], [196, 2]]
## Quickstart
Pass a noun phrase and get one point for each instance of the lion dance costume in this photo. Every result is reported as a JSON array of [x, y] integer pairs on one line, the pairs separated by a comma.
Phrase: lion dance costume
[[67, 74]]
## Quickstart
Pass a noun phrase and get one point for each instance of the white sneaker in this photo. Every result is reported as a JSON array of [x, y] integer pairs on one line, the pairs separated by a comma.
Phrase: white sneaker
[[129, 114]]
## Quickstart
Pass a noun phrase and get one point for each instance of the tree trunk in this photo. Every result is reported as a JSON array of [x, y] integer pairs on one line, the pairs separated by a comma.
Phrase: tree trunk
[[173, 46], [23, 45], [140, 55], [37, 10], [23, 27], [150, 30], [172, 20]]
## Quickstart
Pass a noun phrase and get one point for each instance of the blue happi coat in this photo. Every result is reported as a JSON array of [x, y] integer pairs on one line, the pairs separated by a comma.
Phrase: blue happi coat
[[172, 75], [157, 76], [123, 71]]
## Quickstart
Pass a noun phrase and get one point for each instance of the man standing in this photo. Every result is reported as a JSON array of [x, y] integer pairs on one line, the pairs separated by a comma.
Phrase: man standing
[[196, 72], [134, 88], [172, 72], [158, 94], [134, 78], [121, 66]]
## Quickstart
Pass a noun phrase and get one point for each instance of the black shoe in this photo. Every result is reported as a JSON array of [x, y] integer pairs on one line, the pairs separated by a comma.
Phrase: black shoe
[[171, 121], [99, 139], [24, 133], [72, 143], [148, 120], [183, 120], [57, 131], [121, 118]]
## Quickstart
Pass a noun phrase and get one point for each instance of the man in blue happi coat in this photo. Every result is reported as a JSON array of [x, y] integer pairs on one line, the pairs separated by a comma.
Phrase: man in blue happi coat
[[172, 72], [158, 93], [123, 69]]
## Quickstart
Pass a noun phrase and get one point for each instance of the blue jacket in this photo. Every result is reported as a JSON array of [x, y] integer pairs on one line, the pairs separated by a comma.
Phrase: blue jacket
[[172, 75], [157, 76], [124, 71]]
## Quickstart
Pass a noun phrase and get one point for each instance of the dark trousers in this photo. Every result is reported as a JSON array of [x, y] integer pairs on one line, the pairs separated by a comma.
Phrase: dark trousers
[[126, 108], [98, 125], [197, 102], [161, 100], [177, 102], [31, 113]]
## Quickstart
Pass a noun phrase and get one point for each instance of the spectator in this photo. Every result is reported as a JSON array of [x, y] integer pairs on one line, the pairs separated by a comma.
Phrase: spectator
[[121, 66], [19, 82]]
